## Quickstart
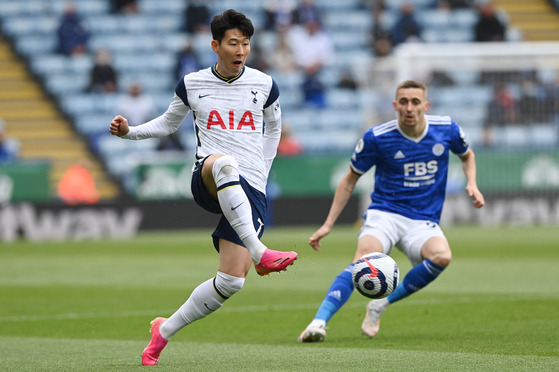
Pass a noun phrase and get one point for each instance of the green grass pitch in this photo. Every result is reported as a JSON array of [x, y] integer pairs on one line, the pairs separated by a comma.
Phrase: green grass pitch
[[86, 306]]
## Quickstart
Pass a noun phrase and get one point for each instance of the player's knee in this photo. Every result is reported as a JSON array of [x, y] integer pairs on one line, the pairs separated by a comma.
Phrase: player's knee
[[225, 169], [228, 285], [437, 251], [442, 258]]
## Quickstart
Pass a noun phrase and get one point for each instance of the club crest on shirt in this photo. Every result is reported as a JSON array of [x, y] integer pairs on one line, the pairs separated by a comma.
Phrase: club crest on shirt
[[464, 138], [438, 149], [360, 145]]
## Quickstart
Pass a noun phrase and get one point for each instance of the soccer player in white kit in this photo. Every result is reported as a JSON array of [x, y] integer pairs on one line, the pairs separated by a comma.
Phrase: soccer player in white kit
[[237, 122], [411, 156]]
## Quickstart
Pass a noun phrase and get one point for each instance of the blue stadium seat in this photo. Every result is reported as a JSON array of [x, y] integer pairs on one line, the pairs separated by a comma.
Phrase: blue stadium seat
[[162, 7], [460, 95], [339, 98], [544, 135], [349, 40], [63, 84], [112, 145], [355, 20], [34, 45], [302, 120], [30, 25], [465, 18], [160, 63], [125, 43], [329, 141], [14, 8], [93, 123]]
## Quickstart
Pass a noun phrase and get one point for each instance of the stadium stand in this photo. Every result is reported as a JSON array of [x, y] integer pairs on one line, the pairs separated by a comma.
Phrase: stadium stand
[[145, 47], [537, 18], [44, 134]]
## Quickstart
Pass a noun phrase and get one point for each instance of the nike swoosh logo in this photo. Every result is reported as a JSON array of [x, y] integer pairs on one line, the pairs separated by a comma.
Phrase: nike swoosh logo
[[203, 95], [233, 208], [207, 307]]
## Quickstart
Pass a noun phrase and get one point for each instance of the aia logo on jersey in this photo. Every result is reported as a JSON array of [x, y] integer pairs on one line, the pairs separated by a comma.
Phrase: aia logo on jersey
[[215, 119]]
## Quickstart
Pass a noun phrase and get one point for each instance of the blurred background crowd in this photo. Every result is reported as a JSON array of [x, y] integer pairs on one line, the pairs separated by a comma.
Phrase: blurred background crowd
[[70, 66]]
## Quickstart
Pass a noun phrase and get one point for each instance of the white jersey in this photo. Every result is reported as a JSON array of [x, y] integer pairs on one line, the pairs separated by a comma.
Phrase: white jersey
[[229, 116]]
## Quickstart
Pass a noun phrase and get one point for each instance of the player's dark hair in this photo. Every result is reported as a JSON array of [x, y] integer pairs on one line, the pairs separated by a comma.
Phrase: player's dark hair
[[228, 20]]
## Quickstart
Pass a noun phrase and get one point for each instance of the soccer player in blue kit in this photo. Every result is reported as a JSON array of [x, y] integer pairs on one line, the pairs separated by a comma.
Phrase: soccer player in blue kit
[[411, 156], [234, 152]]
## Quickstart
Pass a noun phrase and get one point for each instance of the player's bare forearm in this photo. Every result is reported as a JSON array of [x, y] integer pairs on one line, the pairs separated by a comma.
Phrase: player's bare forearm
[[341, 198], [469, 168], [338, 204], [119, 126]]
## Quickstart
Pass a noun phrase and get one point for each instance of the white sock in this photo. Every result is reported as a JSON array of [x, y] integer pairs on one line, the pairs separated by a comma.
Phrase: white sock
[[317, 323], [204, 300], [383, 302], [235, 205]]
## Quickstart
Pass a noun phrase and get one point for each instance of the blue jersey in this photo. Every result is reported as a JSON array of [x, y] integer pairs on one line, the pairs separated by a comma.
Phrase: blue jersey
[[411, 173]]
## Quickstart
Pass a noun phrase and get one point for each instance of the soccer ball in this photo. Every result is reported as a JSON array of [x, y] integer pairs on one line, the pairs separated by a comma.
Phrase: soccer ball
[[375, 275]]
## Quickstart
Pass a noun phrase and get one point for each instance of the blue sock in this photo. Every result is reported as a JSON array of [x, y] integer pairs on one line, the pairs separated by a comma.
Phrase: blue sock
[[417, 278], [337, 295]]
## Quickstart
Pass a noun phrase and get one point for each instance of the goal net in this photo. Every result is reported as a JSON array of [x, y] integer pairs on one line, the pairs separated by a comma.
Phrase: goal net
[[506, 98]]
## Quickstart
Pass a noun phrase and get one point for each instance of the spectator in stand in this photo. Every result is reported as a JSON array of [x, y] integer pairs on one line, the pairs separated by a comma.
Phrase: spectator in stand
[[489, 27], [103, 74], [406, 28], [9, 146], [171, 142], [125, 6], [314, 90], [278, 15], [313, 49], [197, 17], [72, 32], [281, 58], [187, 62], [531, 103], [502, 108], [501, 111], [552, 100], [381, 43], [77, 185], [258, 57], [136, 105], [347, 81], [306, 12], [455, 4], [289, 145]]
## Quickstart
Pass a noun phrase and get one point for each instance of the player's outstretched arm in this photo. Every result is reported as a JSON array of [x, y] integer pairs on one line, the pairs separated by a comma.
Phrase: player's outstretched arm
[[469, 168], [119, 126], [341, 197]]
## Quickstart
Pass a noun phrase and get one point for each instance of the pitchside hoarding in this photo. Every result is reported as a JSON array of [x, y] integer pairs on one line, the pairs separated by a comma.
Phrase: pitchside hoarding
[[521, 188], [311, 176]]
